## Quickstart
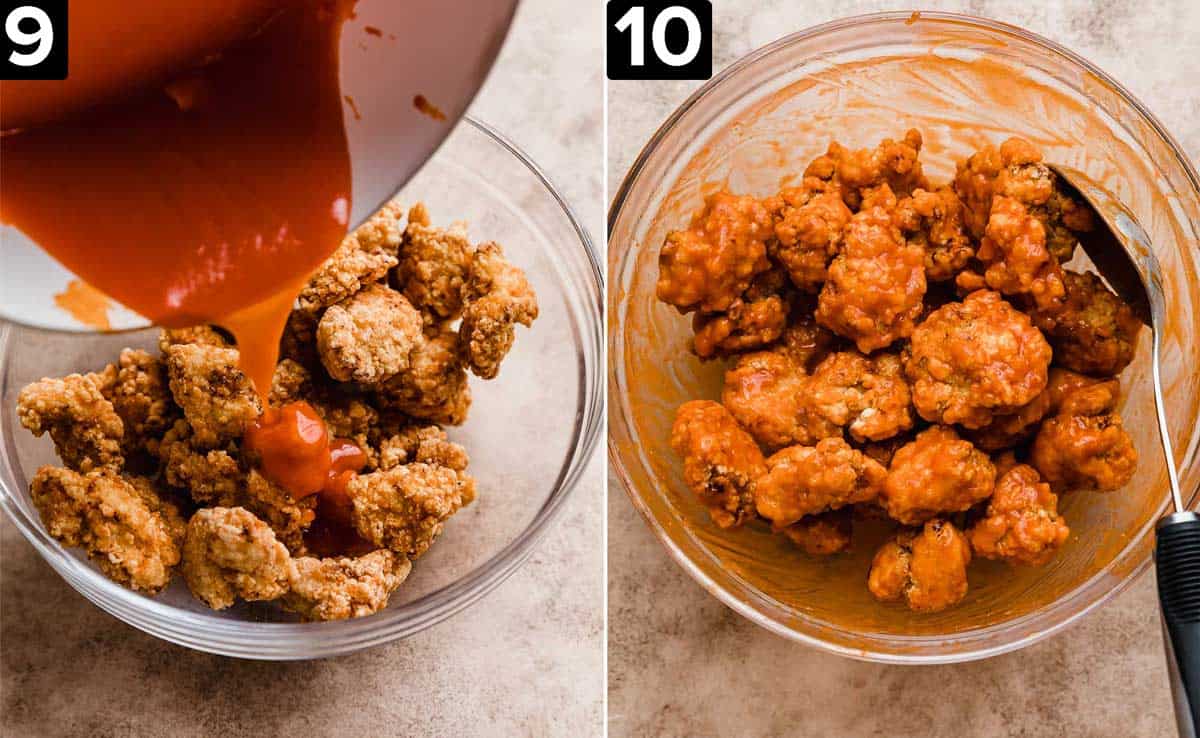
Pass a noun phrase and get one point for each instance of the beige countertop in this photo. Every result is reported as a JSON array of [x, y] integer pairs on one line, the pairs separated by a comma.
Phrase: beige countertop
[[526, 660], [680, 663]]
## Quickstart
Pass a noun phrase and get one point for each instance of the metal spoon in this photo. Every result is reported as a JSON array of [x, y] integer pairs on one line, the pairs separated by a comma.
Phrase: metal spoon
[[1123, 255]]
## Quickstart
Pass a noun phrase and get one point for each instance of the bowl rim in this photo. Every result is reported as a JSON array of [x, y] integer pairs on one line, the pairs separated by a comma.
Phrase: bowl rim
[[631, 179], [278, 641]]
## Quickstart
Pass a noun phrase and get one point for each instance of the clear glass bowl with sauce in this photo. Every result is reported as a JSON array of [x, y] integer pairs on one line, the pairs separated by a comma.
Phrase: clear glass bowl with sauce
[[530, 432], [961, 81]]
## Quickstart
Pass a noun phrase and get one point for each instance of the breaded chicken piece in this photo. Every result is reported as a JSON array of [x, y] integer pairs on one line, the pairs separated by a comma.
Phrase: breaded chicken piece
[[869, 396], [1094, 331], [405, 508], [875, 285], [344, 587], [974, 359], [137, 388], [767, 393], [892, 163], [205, 335], [230, 554], [711, 264], [208, 475], [498, 297], [85, 427], [434, 387], [362, 258], [934, 221], [275, 506], [369, 336], [1085, 452], [1022, 524], [291, 382], [721, 462], [435, 266], [1012, 429], [1017, 260], [217, 399], [937, 473], [1071, 393], [299, 340], [808, 226], [821, 535], [803, 341], [806, 480], [745, 326], [927, 568], [424, 445], [132, 533]]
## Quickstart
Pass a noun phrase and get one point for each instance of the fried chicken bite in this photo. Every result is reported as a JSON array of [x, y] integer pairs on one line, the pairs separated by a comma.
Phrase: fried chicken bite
[[1022, 524], [767, 393], [893, 163], [205, 335], [364, 257], [806, 480], [137, 388], [721, 462], [416, 444], [369, 336], [299, 340], [1071, 393], [217, 399], [808, 228], [1012, 429], [711, 264], [748, 324], [974, 359], [1094, 331], [934, 221], [874, 288], [208, 475], [867, 395], [803, 341], [85, 427], [230, 554], [937, 473], [1014, 252], [434, 387], [498, 297], [131, 532], [925, 568], [345, 587], [405, 508], [821, 535], [1092, 452], [435, 266]]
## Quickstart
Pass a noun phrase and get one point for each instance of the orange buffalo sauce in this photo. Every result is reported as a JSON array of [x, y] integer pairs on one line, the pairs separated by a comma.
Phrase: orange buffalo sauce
[[333, 532]]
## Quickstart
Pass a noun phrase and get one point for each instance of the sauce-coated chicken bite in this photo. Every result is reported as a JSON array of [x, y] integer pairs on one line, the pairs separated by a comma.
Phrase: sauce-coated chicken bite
[[1094, 331], [809, 225], [1014, 252], [1022, 524], [721, 462], [869, 396], [974, 359], [934, 221], [767, 392], [345, 587], [937, 473], [821, 535], [229, 554], [893, 163], [745, 326], [925, 568], [806, 480], [1085, 452]]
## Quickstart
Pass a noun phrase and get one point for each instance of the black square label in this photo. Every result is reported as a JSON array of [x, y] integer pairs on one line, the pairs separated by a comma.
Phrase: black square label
[[33, 39], [659, 39]]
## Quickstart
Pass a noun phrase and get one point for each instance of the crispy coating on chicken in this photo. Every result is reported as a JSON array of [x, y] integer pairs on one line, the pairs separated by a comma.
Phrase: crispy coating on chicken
[[821, 535], [435, 266], [137, 388], [498, 297], [299, 340], [806, 480], [1094, 331], [208, 475], [423, 445], [205, 335], [875, 285], [363, 257], [745, 326], [230, 554], [344, 587], [276, 507], [808, 233], [934, 221], [894, 163], [85, 427], [131, 532], [805, 342], [434, 387], [937, 473], [1071, 393], [721, 462], [974, 359], [1022, 524], [868, 396], [711, 264], [405, 508], [1017, 260], [767, 393], [369, 336], [217, 399], [925, 568], [1085, 452]]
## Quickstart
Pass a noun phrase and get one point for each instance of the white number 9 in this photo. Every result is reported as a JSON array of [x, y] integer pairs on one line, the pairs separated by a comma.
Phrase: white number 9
[[42, 39]]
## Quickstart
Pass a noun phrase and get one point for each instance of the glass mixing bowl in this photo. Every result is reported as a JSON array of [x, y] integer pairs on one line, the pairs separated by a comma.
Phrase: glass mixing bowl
[[530, 433], [962, 81]]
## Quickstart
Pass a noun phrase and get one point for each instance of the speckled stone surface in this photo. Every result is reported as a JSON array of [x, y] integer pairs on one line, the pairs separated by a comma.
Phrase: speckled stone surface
[[526, 660], [680, 663]]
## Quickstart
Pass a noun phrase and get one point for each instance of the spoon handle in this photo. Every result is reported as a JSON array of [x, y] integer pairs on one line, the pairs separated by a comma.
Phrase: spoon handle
[[1177, 559]]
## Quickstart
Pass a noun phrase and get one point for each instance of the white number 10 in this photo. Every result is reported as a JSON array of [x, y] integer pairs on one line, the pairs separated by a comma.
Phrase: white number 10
[[42, 39], [634, 20]]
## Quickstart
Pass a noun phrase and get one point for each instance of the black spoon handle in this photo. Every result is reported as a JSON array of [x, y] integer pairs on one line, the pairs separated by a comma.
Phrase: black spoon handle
[[1177, 558]]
